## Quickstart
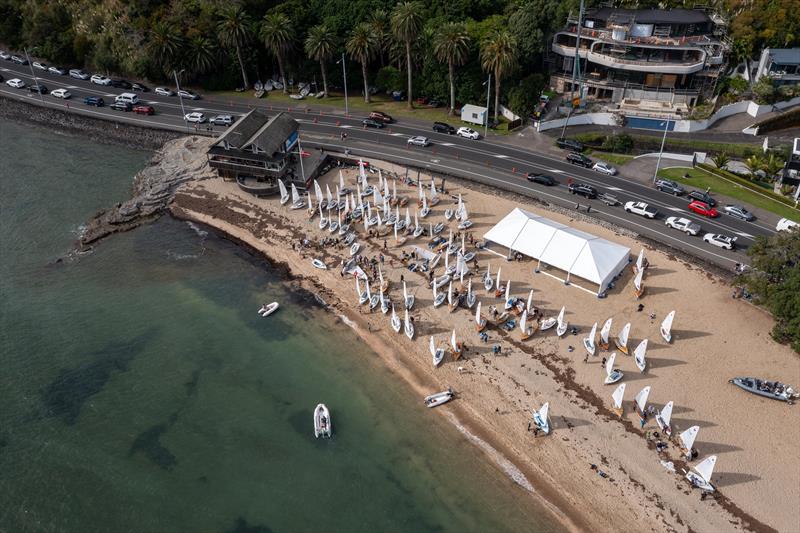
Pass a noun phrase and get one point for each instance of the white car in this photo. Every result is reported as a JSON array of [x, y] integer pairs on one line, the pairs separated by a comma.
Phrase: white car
[[163, 91], [468, 133], [58, 71], [419, 140], [641, 208], [78, 74], [16, 83], [4, 55], [722, 241], [61, 93], [40, 66], [195, 116], [98, 79], [604, 168], [683, 224], [183, 93]]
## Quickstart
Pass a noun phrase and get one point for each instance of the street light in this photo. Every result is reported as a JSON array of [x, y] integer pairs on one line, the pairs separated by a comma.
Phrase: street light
[[488, 84], [178, 86], [344, 76], [33, 75], [663, 140]]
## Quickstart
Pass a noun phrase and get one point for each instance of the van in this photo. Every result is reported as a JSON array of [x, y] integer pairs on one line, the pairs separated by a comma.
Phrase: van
[[128, 98], [785, 224]]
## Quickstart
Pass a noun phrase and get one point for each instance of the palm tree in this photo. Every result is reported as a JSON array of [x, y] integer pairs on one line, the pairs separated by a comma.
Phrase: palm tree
[[276, 32], [721, 160], [406, 23], [320, 45], [754, 163], [362, 46], [165, 45], [202, 55], [451, 45], [235, 29], [772, 165], [379, 20], [498, 54]]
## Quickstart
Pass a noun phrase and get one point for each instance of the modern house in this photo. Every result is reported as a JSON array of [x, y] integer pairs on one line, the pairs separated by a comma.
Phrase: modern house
[[780, 64], [258, 150], [791, 170], [641, 59]]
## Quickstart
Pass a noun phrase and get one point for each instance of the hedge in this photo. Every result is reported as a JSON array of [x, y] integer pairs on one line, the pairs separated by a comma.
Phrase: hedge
[[788, 119], [647, 143], [746, 183]]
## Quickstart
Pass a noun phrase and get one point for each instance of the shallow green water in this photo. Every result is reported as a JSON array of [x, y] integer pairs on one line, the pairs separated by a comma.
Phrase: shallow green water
[[139, 390]]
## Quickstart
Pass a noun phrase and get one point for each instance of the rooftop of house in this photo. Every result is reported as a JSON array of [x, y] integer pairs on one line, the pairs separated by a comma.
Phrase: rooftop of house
[[256, 128], [648, 16], [785, 56]]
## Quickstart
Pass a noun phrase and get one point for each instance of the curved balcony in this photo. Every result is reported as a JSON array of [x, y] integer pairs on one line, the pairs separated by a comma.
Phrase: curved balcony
[[569, 51], [663, 67]]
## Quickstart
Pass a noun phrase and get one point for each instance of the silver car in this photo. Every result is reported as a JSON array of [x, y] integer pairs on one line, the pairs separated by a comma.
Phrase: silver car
[[419, 140], [739, 211]]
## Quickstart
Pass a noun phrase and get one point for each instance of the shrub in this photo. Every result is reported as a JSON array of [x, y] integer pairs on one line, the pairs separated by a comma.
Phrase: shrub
[[390, 79], [622, 143], [752, 185], [787, 119], [764, 90]]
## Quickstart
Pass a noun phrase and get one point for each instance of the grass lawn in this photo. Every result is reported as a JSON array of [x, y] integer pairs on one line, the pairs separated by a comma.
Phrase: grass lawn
[[615, 159], [702, 180]]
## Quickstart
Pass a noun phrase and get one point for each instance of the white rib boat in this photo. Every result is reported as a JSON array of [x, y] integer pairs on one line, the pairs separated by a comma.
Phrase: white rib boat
[[354, 248], [437, 354], [319, 264], [440, 398], [323, 426], [268, 309]]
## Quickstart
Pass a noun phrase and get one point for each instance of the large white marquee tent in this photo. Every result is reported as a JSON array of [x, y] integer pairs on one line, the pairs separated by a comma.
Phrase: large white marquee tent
[[575, 252]]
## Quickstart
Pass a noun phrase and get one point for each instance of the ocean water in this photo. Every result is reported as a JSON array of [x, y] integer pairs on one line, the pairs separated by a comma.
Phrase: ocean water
[[140, 391]]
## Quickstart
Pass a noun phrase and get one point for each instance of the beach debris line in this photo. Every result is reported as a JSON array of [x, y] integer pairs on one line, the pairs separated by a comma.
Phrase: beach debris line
[[323, 426]]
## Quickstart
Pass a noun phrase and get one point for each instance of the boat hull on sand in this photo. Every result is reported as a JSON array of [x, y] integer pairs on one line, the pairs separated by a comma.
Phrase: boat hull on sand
[[440, 398]]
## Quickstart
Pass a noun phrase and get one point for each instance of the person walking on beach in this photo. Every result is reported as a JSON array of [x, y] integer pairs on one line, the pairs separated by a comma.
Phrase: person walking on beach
[[385, 246], [603, 364]]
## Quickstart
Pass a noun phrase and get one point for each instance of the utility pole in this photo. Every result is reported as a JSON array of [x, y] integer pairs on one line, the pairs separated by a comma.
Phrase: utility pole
[[33, 75], [183, 111], [663, 140], [488, 94], [344, 77]]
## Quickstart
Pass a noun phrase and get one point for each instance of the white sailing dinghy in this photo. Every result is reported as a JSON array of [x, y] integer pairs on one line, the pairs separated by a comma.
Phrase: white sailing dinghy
[[434, 195], [638, 284], [622, 341], [617, 396], [448, 214], [548, 323], [420, 194], [329, 197], [395, 321], [687, 439], [408, 220], [541, 418], [498, 290], [318, 195], [452, 301], [268, 309], [437, 354], [408, 300], [384, 302], [639, 357], [529, 306], [663, 418], [334, 224], [373, 298], [435, 400], [641, 262], [666, 327], [612, 374], [408, 327], [323, 427], [604, 333], [311, 211], [322, 220], [425, 211], [417, 228], [471, 298], [363, 296], [438, 299], [701, 477], [588, 342], [456, 347], [487, 279], [509, 302], [399, 241], [284, 193], [297, 202], [354, 249], [319, 264], [640, 401], [562, 323], [480, 322], [466, 223], [525, 330]]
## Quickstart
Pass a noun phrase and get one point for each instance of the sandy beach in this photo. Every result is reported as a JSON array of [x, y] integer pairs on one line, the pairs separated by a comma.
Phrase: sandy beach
[[715, 338]]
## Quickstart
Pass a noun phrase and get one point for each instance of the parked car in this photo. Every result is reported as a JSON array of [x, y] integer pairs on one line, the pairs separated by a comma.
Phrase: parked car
[[94, 100], [183, 93], [38, 88], [419, 140], [121, 84], [785, 224], [579, 159], [372, 123], [641, 208], [16, 83], [441, 127], [40, 66], [58, 71], [61, 93], [604, 168], [683, 224], [142, 88], [99, 79], [704, 197], [543, 179], [222, 120], [723, 241], [195, 116], [78, 74], [582, 189], [164, 91], [702, 208], [143, 109], [468, 133], [569, 144], [670, 187], [4, 55], [121, 106], [739, 211], [19, 60], [381, 116]]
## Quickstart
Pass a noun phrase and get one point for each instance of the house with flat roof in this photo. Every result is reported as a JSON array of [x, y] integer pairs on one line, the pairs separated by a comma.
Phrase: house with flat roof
[[780, 64], [641, 58]]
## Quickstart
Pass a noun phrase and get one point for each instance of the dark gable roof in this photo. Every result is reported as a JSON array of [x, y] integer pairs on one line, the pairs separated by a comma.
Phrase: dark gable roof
[[271, 136], [239, 134], [650, 16]]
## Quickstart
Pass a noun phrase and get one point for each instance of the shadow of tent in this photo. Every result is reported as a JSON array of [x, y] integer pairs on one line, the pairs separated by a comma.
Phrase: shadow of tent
[[663, 362], [715, 448], [728, 479], [683, 334]]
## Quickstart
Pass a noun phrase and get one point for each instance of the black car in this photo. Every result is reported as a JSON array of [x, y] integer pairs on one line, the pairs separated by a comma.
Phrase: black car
[[372, 123], [670, 187], [441, 127], [121, 106], [544, 179], [140, 87], [569, 144], [579, 159], [94, 100], [703, 197], [121, 84], [41, 89], [584, 190]]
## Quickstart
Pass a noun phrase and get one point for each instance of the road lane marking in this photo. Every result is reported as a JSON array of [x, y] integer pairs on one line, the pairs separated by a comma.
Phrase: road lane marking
[[743, 234], [613, 188], [501, 156], [554, 170], [675, 209], [446, 144], [398, 134]]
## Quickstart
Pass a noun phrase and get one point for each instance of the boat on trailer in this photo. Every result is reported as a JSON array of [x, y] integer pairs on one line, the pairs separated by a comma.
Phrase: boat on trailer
[[773, 390]]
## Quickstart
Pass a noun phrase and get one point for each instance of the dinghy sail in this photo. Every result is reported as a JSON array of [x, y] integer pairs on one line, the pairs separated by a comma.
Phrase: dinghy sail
[[663, 417], [701, 477], [395, 321], [455, 346], [588, 342], [297, 202], [284, 193], [487, 279], [666, 327], [541, 418], [687, 439], [612, 374], [480, 322], [617, 396], [639, 357], [525, 331], [640, 401], [622, 340], [638, 285], [409, 327], [562, 324], [408, 301], [604, 333], [437, 354]]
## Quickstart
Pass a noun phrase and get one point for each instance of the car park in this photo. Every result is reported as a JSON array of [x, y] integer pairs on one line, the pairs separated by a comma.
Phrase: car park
[[78, 74], [723, 241], [739, 211], [94, 100], [704, 197], [40, 66], [381, 116], [121, 84], [164, 91], [121, 106], [16, 83], [604, 168], [569, 144], [670, 187], [19, 60], [582, 189], [683, 224], [142, 88], [442, 127], [195, 116], [579, 159], [222, 120], [38, 88], [99, 79], [542, 179], [61, 93], [58, 71], [641, 208], [183, 93], [468, 133], [372, 123], [702, 208], [143, 109], [4, 55], [419, 140]]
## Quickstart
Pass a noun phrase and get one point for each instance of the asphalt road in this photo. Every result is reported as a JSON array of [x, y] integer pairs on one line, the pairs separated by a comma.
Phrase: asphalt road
[[489, 161]]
